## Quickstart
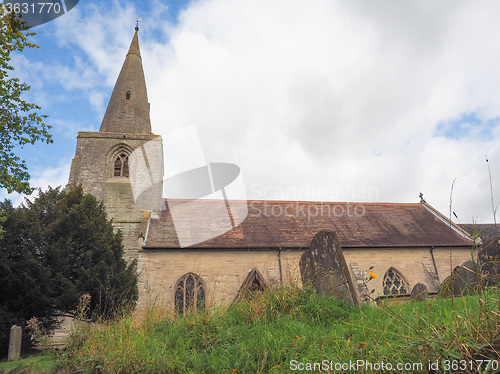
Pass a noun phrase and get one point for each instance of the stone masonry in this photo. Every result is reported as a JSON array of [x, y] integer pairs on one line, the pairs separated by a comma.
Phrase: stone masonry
[[125, 129]]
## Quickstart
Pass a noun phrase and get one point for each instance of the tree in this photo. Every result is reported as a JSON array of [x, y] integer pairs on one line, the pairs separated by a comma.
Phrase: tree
[[20, 123], [55, 249]]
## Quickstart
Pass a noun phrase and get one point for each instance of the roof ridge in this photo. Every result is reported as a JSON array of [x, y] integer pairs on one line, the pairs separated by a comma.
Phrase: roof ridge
[[298, 201]]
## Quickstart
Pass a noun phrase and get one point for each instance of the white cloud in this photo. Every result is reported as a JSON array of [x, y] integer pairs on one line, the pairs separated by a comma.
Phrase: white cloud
[[52, 176], [339, 96]]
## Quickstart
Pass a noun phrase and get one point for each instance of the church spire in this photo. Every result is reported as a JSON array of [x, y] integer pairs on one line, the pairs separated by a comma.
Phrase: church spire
[[128, 108]]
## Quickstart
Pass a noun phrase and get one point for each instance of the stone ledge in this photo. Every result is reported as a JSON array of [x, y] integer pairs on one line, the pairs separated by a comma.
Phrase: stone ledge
[[116, 135]]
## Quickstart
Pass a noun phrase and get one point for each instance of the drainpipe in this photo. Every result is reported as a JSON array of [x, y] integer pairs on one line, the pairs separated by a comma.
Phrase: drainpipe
[[279, 263], [434, 261]]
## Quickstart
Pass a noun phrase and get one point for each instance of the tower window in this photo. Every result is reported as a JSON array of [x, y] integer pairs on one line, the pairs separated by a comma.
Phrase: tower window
[[189, 294], [394, 283], [127, 95], [121, 166]]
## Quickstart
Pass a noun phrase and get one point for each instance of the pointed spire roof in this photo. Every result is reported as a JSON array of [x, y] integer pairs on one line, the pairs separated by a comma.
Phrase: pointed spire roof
[[128, 108]]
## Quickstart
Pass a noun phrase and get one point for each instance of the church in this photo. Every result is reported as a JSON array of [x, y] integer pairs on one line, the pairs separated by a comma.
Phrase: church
[[259, 244]]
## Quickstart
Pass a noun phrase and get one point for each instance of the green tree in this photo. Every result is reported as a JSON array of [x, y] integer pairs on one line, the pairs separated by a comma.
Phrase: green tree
[[20, 123], [24, 291], [55, 249]]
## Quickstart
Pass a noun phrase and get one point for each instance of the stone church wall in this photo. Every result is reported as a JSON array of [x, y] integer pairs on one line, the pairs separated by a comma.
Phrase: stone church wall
[[412, 263], [224, 271]]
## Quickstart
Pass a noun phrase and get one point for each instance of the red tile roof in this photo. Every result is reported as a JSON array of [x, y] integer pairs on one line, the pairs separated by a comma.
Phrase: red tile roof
[[289, 224]]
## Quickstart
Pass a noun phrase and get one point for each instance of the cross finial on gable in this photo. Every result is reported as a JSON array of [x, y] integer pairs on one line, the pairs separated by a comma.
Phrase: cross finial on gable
[[421, 195]]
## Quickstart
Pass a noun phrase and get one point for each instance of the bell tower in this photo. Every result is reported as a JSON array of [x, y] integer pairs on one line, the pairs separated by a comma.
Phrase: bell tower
[[122, 164]]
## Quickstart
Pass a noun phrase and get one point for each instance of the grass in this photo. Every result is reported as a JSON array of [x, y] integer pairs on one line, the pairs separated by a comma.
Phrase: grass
[[42, 362], [265, 334]]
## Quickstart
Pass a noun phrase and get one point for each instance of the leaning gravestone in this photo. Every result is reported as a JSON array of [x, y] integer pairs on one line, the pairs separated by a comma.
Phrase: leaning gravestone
[[324, 267], [466, 279], [419, 292], [15, 343], [446, 287], [489, 261], [463, 281]]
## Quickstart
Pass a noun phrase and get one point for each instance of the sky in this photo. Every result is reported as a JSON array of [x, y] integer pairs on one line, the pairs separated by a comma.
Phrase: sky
[[325, 100]]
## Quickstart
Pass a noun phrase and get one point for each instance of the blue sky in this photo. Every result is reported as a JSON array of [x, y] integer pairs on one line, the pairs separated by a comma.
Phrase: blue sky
[[317, 100]]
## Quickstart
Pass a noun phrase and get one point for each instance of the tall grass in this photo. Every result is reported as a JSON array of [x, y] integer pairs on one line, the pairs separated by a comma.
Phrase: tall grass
[[265, 334]]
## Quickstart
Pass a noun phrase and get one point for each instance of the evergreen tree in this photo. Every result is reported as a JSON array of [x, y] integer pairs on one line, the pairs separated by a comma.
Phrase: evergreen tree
[[55, 249]]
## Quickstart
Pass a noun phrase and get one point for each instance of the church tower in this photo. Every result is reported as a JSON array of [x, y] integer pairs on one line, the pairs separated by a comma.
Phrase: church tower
[[122, 164]]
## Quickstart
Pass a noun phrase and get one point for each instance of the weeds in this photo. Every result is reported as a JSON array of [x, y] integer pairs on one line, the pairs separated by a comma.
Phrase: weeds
[[285, 324], [39, 335]]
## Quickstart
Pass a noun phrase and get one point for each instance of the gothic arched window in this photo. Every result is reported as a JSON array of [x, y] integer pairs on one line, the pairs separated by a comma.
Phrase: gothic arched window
[[394, 283], [121, 165], [253, 284], [189, 294]]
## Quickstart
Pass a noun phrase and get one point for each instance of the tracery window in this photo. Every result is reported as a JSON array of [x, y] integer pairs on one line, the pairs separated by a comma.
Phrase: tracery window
[[394, 283], [253, 284], [121, 165], [189, 294]]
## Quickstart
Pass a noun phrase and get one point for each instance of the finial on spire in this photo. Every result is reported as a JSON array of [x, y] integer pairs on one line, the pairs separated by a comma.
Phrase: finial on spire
[[137, 24]]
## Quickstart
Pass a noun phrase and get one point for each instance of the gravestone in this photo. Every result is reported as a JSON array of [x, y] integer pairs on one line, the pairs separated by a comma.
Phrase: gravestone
[[446, 287], [463, 281], [324, 267], [419, 292], [489, 262], [15, 343], [359, 277]]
